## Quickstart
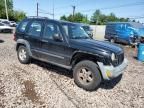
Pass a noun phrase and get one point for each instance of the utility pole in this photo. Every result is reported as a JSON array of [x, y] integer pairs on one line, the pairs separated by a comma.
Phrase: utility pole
[[53, 10], [6, 10], [73, 11], [97, 21], [37, 9]]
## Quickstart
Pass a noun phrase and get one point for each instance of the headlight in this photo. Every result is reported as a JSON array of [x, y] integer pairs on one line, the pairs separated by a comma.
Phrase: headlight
[[113, 57]]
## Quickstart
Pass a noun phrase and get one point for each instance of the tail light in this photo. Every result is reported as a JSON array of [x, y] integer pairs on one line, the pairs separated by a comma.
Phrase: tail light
[[14, 37]]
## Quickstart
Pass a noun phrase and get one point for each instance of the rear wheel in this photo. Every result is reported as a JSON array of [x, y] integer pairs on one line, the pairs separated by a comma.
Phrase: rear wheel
[[23, 55], [86, 75]]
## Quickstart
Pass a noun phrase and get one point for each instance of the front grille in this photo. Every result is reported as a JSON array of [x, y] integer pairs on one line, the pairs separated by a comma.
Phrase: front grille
[[119, 59]]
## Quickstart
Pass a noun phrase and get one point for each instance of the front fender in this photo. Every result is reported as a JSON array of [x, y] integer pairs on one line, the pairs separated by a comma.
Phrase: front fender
[[87, 55]]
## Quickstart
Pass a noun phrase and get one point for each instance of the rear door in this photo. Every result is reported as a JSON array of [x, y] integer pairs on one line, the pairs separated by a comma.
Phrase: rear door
[[21, 29], [33, 35]]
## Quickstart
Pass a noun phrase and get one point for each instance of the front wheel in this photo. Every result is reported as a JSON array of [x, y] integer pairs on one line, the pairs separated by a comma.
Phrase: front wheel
[[23, 55], [86, 75]]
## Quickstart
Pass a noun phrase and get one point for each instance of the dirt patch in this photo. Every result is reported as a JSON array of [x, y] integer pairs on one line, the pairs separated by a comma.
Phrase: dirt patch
[[2, 106], [30, 92], [25, 86], [1, 41], [1, 94], [1, 89]]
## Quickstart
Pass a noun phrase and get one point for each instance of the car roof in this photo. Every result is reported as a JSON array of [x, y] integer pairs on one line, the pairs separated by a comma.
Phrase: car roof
[[46, 18], [82, 24], [134, 24], [59, 21]]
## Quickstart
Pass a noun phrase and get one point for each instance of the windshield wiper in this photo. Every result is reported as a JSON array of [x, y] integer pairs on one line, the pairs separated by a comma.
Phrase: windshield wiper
[[80, 38]]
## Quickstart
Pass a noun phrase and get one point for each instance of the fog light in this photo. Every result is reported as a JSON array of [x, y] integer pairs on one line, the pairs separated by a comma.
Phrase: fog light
[[108, 73]]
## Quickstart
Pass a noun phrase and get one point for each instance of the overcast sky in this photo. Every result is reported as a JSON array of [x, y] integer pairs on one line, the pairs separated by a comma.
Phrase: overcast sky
[[122, 8]]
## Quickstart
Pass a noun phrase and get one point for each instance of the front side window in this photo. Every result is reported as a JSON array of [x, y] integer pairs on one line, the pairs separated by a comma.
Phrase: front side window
[[75, 31], [50, 30], [35, 29]]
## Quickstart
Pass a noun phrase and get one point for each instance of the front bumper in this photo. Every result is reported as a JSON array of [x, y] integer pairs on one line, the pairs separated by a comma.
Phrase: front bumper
[[109, 72]]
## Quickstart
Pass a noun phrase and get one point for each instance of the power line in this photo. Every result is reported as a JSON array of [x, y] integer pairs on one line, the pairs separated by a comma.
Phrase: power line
[[139, 17], [46, 13], [66, 6], [119, 6], [104, 8]]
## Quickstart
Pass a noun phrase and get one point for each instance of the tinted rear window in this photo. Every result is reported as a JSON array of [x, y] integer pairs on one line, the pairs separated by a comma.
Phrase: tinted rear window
[[23, 26], [35, 28]]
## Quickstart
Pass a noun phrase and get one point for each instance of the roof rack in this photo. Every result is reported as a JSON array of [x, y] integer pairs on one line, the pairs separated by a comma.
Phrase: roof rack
[[37, 17]]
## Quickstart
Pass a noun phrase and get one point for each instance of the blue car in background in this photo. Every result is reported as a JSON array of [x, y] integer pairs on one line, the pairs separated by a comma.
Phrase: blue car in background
[[126, 32]]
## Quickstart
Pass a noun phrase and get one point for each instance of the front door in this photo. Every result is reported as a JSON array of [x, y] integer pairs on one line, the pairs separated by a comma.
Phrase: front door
[[53, 50]]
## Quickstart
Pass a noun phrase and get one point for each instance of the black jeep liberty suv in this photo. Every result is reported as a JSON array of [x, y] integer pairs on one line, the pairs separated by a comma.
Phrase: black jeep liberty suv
[[67, 45]]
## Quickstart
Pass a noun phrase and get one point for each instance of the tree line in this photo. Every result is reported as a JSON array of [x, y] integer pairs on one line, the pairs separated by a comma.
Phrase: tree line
[[97, 18], [14, 15]]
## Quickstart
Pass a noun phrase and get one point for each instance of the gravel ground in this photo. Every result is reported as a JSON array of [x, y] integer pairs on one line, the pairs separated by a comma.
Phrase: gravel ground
[[45, 86]]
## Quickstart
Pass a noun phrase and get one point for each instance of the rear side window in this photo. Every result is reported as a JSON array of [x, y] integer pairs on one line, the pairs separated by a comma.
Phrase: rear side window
[[22, 26], [35, 29], [1, 24]]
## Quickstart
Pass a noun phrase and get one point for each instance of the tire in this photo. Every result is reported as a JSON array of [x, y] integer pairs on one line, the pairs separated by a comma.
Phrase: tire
[[2, 31], [25, 58], [91, 80]]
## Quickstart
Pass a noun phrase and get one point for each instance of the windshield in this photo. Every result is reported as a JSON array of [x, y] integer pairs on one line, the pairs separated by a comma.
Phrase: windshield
[[75, 31]]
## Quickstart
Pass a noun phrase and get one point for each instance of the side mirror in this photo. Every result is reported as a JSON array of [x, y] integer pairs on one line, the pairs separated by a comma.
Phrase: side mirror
[[91, 36], [57, 37]]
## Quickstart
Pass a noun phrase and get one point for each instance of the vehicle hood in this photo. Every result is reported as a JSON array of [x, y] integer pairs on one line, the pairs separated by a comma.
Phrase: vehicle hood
[[92, 44]]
